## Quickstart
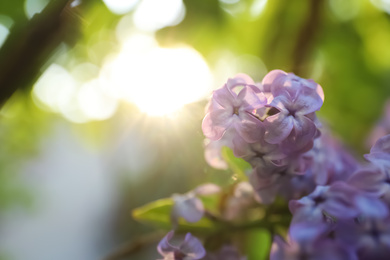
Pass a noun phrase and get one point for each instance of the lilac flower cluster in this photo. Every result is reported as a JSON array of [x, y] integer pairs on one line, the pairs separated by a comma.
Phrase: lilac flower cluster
[[350, 216], [340, 208], [270, 125]]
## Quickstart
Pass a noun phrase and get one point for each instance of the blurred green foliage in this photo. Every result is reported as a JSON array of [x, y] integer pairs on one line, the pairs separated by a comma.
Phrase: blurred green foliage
[[343, 45]]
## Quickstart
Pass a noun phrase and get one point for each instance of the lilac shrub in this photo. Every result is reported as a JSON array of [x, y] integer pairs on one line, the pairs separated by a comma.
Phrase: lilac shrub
[[336, 207]]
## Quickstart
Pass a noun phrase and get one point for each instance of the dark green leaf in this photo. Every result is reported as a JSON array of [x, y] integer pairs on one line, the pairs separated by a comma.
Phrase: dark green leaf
[[158, 214]]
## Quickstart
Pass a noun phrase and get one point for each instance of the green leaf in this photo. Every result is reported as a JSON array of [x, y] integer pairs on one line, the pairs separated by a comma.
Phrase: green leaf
[[157, 213], [258, 244], [238, 165], [211, 203]]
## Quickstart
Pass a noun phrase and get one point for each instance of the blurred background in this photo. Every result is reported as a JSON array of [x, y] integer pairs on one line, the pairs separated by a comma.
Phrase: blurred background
[[102, 103]]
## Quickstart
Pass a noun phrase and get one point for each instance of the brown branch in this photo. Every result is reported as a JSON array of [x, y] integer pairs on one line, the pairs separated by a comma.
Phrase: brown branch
[[134, 246], [31, 44], [307, 36]]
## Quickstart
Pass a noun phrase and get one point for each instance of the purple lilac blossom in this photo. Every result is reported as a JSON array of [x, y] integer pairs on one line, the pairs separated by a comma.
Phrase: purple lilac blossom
[[368, 237], [345, 213], [189, 249], [295, 99], [297, 186], [189, 206], [319, 249], [228, 109], [271, 141], [375, 179], [329, 161], [264, 158], [339, 200], [380, 154], [324, 164]]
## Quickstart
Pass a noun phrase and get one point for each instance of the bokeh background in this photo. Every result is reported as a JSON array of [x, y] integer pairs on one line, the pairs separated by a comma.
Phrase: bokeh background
[[102, 103]]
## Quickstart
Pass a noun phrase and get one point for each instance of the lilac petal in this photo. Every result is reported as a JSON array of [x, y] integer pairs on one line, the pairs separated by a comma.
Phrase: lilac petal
[[308, 85], [188, 207], [266, 188], [272, 76], [224, 96], [340, 202], [278, 127], [304, 232], [280, 102], [207, 189], [382, 145], [164, 247], [295, 205], [250, 129], [319, 90], [239, 79], [368, 180], [192, 248], [371, 206], [307, 103], [241, 148], [301, 137], [298, 86], [381, 160], [327, 249], [222, 117], [210, 130], [251, 99]]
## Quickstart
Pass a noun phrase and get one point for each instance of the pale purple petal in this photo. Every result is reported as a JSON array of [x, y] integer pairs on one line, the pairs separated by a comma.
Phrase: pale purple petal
[[304, 232], [250, 129], [251, 99], [368, 180], [192, 248], [224, 97], [188, 207], [278, 127], [272, 77], [164, 247], [340, 201], [301, 137], [207, 189], [241, 148], [280, 102], [382, 145], [306, 103], [371, 207], [240, 79], [295, 205], [210, 130]]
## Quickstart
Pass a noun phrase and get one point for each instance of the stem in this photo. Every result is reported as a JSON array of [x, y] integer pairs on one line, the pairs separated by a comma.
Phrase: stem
[[134, 246]]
